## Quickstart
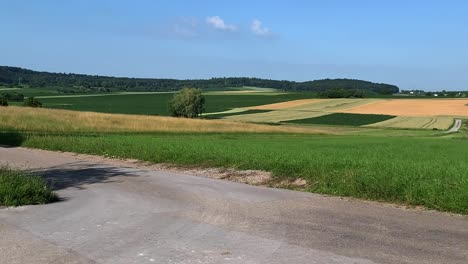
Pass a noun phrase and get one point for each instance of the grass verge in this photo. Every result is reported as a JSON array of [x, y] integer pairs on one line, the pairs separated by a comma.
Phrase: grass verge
[[418, 171], [21, 188]]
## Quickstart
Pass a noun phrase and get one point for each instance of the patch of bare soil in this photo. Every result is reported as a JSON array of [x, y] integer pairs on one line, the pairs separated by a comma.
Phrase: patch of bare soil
[[252, 177]]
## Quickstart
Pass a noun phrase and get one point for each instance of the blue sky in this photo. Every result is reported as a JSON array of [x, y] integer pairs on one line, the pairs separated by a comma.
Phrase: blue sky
[[414, 44]]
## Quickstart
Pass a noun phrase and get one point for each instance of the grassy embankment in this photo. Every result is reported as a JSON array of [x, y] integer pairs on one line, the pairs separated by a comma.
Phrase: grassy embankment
[[21, 188], [427, 171]]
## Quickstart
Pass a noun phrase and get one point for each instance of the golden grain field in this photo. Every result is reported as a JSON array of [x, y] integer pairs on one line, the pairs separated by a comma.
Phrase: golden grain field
[[274, 116], [51, 120], [414, 107], [438, 122], [283, 105], [324, 105], [411, 113]]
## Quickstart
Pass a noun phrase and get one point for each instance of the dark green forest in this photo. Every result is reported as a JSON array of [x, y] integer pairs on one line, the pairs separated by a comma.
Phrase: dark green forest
[[70, 83]]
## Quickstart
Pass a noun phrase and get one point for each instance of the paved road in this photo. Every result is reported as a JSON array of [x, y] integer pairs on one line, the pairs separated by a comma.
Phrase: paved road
[[456, 126], [114, 214]]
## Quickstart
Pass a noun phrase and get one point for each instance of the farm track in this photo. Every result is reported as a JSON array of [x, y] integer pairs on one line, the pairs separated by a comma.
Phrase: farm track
[[456, 127], [118, 212]]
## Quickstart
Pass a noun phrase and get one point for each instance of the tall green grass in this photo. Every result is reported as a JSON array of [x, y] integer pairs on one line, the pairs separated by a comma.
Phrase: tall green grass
[[432, 172], [21, 188]]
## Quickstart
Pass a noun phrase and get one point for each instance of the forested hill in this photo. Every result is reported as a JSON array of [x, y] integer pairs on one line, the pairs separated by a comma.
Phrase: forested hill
[[14, 76]]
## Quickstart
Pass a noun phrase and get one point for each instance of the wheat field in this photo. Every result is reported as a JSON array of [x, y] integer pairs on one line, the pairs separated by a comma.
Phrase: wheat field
[[425, 122], [414, 107], [274, 116], [52, 120]]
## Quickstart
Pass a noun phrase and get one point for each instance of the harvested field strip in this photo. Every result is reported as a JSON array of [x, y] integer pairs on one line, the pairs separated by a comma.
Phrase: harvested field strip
[[343, 119], [275, 116], [285, 105], [247, 112], [49, 120], [415, 107], [331, 105], [232, 111], [416, 122]]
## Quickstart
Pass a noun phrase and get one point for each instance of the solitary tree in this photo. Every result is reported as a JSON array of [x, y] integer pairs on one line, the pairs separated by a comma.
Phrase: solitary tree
[[189, 103], [32, 102]]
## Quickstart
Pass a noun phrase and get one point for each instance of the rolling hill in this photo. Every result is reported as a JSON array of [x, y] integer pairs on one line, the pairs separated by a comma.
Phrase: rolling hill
[[14, 76]]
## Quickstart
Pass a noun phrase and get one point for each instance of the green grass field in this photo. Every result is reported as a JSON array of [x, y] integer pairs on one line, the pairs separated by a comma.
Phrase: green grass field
[[424, 171], [156, 104], [22, 188], [343, 119]]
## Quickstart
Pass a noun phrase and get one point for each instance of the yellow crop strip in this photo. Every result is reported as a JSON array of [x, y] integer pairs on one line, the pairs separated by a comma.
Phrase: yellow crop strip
[[51, 120], [416, 122]]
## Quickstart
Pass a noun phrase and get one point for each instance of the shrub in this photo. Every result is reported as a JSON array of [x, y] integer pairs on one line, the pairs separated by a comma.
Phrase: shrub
[[32, 102], [20, 188], [3, 101], [189, 103]]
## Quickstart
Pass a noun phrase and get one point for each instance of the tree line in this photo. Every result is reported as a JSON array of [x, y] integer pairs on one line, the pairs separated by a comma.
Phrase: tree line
[[29, 101], [70, 82], [17, 97]]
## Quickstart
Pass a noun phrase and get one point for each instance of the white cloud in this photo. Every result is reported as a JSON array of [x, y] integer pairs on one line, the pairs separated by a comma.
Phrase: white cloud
[[218, 23], [258, 29]]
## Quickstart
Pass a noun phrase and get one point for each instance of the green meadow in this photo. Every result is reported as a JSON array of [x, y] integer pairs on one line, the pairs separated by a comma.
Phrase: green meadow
[[419, 171]]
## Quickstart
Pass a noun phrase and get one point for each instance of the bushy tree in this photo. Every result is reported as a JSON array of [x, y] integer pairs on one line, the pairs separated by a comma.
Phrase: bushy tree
[[3, 101], [32, 102], [189, 103]]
